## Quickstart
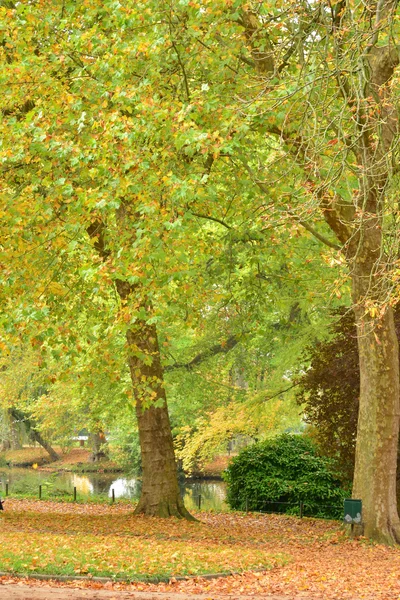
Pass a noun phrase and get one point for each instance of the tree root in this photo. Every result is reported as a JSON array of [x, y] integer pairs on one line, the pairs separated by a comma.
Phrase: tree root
[[164, 509]]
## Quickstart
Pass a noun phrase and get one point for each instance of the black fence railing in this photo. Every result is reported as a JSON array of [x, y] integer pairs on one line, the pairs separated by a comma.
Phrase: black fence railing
[[73, 494], [299, 508]]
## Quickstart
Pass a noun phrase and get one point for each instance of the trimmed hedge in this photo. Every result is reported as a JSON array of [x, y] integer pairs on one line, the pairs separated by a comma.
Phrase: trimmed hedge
[[287, 470]]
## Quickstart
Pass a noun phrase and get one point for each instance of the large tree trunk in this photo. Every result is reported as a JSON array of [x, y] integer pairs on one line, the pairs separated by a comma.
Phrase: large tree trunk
[[97, 440], [371, 272], [365, 121], [160, 494], [378, 428], [379, 411]]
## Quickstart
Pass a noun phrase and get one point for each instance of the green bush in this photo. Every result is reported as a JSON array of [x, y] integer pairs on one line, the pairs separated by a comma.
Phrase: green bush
[[287, 470]]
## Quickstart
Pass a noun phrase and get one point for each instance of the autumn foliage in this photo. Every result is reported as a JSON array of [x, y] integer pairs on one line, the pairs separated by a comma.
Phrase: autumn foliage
[[307, 558]]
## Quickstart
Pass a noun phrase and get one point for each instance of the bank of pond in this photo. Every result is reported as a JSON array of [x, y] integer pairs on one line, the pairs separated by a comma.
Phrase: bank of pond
[[206, 494]]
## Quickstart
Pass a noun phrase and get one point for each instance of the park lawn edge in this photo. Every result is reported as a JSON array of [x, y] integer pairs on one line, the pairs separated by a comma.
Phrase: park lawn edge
[[144, 579]]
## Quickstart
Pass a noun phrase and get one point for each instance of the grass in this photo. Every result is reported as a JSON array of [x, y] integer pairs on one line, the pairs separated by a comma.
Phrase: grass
[[75, 460], [66, 497], [105, 466], [25, 456], [97, 540], [127, 558], [310, 557]]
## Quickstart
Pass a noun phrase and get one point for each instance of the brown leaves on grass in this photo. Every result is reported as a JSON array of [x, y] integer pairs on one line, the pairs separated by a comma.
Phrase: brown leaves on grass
[[117, 543], [310, 558]]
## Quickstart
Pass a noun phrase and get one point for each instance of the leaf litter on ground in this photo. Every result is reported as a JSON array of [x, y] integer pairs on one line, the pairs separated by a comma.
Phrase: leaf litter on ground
[[302, 557]]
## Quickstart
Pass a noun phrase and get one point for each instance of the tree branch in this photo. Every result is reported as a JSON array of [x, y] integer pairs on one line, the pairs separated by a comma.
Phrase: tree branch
[[222, 348], [210, 218], [318, 235], [304, 224], [282, 391], [182, 66]]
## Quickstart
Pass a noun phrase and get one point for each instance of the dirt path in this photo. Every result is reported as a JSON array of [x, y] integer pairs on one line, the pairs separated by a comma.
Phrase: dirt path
[[45, 592]]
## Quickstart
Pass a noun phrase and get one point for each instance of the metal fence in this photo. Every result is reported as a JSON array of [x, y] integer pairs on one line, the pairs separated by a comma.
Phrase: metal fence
[[299, 508], [74, 492]]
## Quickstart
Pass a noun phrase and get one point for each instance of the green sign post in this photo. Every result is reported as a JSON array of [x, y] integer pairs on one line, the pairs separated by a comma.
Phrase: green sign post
[[352, 511]]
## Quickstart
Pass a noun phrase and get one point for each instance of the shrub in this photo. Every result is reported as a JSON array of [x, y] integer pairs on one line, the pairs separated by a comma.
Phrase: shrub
[[284, 470]]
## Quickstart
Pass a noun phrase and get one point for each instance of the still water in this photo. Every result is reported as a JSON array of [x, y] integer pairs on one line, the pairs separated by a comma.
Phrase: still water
[[26, 481]]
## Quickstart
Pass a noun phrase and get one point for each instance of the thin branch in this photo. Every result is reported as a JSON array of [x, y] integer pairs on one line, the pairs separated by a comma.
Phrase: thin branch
[[282, 391], [241, 57], [182, 66], [304, 224], [222, 348], [213, 51], [318, 235], [210, 218], [17, 166]]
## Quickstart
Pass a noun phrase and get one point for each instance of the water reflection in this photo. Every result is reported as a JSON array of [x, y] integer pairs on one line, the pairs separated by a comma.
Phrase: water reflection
[[82, 484], [125, 488], [209, 494]]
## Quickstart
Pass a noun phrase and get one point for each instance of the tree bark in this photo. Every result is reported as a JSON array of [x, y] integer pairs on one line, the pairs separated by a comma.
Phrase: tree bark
[[15, 442], [379, 411], [378, 427], [97, 440], [160, 495], [359, 226], [37, 437], [5, 445], [379, 408]]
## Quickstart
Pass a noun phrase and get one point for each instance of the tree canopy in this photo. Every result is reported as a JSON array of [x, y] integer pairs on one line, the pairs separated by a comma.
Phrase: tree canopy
[[179, 176]]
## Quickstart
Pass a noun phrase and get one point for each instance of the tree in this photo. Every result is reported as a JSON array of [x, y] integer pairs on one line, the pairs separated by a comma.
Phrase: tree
[[81, 153], [97, 440], [329, 390], [33, 432], [187, 113], [20, 383], [337, 131], [10, 432]]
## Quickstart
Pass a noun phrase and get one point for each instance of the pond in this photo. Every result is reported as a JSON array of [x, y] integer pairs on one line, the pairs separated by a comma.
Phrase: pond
[[26, 481]]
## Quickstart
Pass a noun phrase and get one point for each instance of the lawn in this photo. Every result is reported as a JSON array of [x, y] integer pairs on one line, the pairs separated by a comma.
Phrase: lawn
[[110, 541], [308, 557], [74, 459]]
